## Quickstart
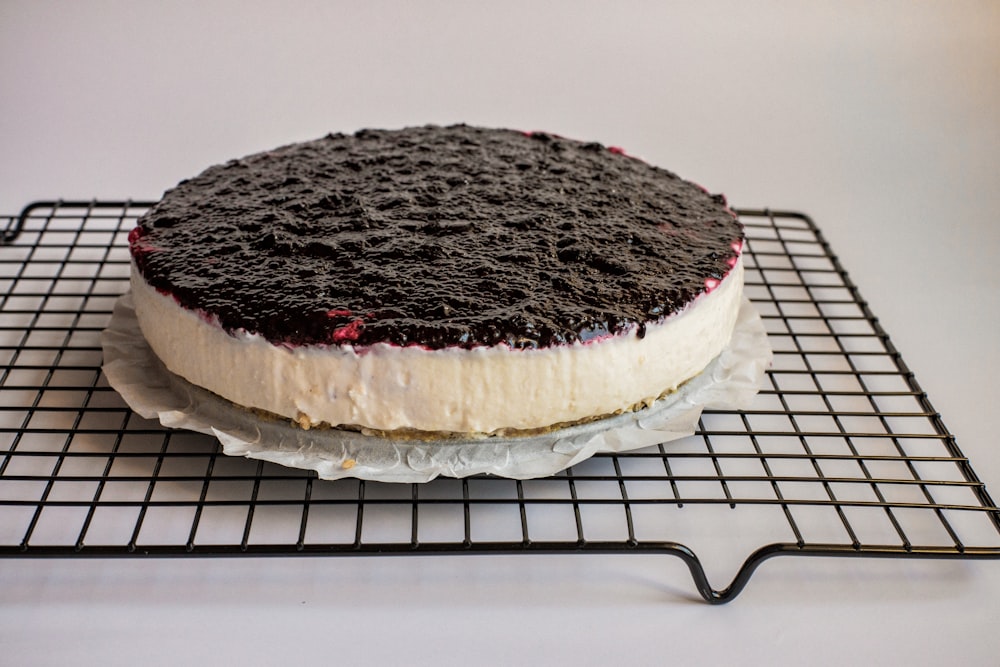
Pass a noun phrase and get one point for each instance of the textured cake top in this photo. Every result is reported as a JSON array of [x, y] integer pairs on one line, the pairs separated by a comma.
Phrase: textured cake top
[[438, 237]]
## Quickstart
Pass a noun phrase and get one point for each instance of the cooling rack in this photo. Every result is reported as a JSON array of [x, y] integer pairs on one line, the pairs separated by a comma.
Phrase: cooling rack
[[842, 453]]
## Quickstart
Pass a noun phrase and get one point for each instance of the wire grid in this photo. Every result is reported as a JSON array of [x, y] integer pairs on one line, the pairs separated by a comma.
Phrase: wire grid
[[841, 454]]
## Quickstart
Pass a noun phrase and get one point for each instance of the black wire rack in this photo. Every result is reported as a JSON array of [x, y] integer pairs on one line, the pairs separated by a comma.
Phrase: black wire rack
[[842, 453]]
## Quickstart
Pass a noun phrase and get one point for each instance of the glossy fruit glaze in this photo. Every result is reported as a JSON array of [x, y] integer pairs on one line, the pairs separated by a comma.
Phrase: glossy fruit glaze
[[438, 237]]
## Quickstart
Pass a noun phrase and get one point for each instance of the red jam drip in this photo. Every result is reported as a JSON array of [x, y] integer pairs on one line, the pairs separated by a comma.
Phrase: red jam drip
[[348, 332]]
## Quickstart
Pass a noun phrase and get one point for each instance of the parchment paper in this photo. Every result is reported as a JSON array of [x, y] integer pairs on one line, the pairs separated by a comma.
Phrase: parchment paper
[[729, 382]]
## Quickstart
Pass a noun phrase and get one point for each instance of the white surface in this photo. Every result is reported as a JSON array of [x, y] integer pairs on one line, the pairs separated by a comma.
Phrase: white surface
[[881, 121]]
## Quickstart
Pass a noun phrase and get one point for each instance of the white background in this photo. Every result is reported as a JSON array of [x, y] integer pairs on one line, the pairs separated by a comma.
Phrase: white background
[[881, 120]]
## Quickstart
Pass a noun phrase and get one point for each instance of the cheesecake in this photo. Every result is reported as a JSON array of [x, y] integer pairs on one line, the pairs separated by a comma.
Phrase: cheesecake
[[431, 282]]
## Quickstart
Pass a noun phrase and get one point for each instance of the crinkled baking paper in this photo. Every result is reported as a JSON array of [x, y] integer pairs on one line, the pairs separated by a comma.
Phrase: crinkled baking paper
[[729, 382]]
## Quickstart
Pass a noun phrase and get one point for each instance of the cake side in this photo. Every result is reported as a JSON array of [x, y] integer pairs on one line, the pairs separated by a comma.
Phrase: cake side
[[481, 390]]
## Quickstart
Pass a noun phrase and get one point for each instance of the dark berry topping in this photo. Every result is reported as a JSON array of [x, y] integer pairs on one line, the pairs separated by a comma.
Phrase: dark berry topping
[[438, 237]]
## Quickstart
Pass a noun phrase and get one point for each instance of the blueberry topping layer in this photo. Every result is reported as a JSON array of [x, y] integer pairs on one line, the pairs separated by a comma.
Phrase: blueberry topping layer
[[437, 237]]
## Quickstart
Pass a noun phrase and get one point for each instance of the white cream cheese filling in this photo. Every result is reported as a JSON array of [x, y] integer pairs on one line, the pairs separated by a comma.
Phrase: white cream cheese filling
[[481, 390]]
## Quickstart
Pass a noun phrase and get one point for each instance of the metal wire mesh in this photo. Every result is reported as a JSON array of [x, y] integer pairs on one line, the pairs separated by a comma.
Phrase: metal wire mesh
[[841, 454]]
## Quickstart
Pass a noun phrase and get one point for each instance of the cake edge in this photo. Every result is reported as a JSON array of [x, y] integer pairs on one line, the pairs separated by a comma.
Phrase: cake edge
[[415, 393]]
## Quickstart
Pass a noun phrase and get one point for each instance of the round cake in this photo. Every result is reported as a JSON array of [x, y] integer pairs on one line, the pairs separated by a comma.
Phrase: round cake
[[436, 281]]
